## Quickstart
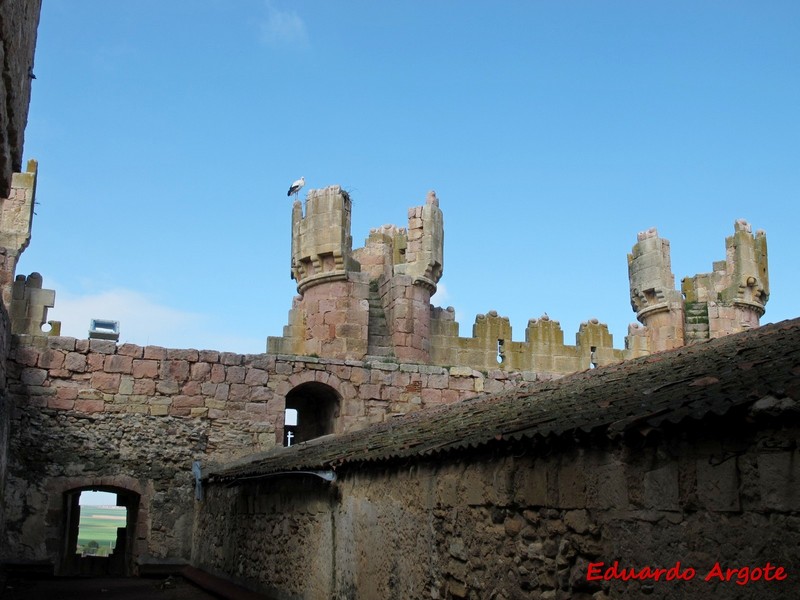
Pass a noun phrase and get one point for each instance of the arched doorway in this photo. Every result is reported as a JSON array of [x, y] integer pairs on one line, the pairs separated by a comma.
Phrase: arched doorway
[[118, 559], [317, 406]]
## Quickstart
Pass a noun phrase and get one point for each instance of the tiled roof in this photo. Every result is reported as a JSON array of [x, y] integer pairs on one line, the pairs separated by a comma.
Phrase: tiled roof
[[690, 382]]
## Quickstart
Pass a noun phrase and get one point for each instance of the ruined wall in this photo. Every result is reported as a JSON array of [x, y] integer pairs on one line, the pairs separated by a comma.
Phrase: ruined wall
[[520, 524], [90, 412], [19, 20], [5, 408]]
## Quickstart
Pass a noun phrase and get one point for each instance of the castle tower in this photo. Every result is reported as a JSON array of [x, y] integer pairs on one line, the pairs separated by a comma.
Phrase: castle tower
[[728, 300], [16, 216], [369, 302], [417, 268], [734, 295], [654, 299], [330, 316]]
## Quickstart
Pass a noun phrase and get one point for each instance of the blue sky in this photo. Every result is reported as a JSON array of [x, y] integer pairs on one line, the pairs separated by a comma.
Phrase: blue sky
[[552, 132]]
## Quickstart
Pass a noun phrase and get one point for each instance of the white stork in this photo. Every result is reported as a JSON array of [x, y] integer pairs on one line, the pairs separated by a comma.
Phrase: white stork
[[295, 188]]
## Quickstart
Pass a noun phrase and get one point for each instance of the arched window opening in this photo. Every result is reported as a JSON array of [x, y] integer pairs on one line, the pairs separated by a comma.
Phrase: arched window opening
[[99, 531], [313, 407], [100, 521]]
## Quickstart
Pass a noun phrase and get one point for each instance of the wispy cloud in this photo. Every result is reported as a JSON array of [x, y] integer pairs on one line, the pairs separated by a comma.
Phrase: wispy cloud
[[283, 27], [441, 296], [144, 321]]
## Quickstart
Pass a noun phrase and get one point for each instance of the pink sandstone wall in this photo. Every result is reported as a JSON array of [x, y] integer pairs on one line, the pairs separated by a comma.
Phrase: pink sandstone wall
[[89, 413]]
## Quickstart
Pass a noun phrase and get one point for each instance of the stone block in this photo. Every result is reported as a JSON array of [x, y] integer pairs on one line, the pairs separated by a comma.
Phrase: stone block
[[188, 401], [200, 371], [144, 386], [235, 374], [154, 353], [67, 393], [530, 486], [230, 359], [217, 373], [238, 392], [51, 359], [60, 403], [126, 385], [168, 388], [209, 356], [106, 382], [189, 355], [58, 342], [369, 390], [779, 479], [118, 364], [94, 362], [192, 388], [103, 346], [222, 392], [27, 356], [31, 376], [718, 485], [76, 362], [89, 406], [131, 350], [159, 410], [283, 368], [175, 370], [571, 482], [661, 488]]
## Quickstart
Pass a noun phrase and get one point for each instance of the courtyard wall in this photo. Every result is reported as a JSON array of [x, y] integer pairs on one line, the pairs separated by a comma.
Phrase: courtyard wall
[[524, 523], [91, 413]]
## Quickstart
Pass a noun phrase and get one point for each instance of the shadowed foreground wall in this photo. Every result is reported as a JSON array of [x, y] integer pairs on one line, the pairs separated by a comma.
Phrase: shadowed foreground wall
[[520, 525]]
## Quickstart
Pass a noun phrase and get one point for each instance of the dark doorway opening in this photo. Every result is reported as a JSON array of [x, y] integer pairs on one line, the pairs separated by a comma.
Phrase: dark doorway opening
[[87, 552], [317, 407]]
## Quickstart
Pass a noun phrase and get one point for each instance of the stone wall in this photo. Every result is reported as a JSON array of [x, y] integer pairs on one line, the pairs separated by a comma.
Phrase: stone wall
[[19, 20], [93, 413], [526, 523], [5, 408]]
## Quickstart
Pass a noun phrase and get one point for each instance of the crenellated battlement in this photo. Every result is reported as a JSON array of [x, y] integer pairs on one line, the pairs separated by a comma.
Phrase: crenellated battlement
[[321, 243], [374, 301], [16, 217], [371, 301], [730, 299]]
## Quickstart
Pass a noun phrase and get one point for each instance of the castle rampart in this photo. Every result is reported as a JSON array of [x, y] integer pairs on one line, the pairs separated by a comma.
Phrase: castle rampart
[[375, 301], [92, 413]]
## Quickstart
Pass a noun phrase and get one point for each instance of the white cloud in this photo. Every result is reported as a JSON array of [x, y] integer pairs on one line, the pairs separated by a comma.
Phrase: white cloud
[[441, 296], [283, 27], [143, 321]]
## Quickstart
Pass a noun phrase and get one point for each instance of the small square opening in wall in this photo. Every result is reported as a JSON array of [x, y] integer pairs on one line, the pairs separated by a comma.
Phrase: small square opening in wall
[[104, 329]]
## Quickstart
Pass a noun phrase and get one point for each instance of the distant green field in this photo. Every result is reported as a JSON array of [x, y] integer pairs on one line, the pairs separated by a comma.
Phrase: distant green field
[[100, 524]]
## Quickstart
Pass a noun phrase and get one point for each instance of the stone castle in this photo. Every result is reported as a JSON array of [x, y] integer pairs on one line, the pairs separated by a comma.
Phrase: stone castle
[[373, 303], [423, 464]]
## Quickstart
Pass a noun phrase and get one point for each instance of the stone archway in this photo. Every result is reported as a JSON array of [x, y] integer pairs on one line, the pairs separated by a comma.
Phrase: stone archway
[[119, 563], [317, 405]]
